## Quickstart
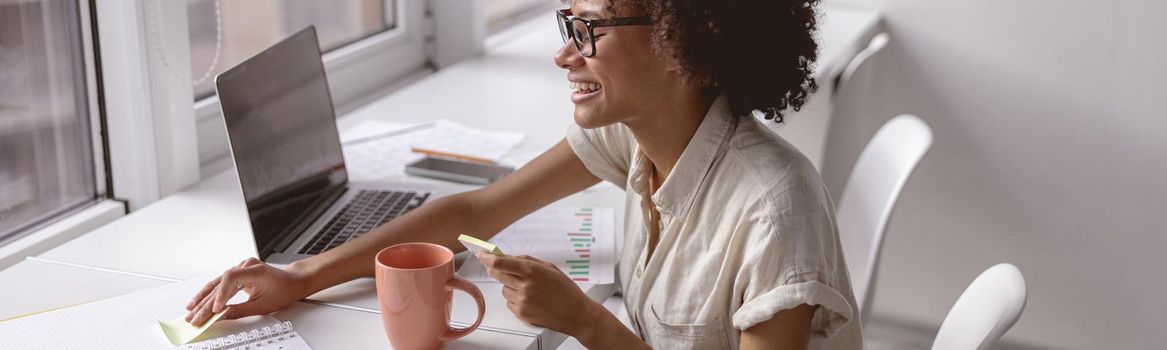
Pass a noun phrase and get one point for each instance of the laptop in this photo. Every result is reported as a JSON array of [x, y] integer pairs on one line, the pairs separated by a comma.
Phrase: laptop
[[283, 139]]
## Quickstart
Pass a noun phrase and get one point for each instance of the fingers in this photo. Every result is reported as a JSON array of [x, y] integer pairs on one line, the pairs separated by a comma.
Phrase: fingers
[[487, 260], [514, 307], [201, 313], [214, 295], [536, 262], [190, 306], [519, 265], [519, 307], [201, 309], [216, 301], [512, 295], [502, 276], [250, 262], [202, 294], [507, 279], [232, 282], [515, 304], [532, 262]]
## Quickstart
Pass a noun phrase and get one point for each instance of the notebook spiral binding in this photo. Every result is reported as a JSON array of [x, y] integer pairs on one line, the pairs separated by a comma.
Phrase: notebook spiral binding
[[247, 340]]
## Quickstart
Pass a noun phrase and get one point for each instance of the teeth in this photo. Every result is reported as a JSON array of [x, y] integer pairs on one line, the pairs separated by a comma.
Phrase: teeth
[[583, 87]]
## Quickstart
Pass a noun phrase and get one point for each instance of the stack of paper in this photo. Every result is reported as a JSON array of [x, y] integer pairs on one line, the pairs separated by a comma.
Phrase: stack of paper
[[375, 150], [580, 241]]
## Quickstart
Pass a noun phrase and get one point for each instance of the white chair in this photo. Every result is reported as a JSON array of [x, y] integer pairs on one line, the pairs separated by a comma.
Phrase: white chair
[[870, 196], [985, 311], [877, 43]]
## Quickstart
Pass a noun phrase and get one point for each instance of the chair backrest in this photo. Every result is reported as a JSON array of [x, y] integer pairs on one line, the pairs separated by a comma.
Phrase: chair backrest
[[870, 196], [877, 43], [985, 311]]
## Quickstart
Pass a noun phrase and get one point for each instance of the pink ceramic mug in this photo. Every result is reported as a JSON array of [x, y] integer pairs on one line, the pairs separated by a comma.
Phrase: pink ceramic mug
[[415, 283]]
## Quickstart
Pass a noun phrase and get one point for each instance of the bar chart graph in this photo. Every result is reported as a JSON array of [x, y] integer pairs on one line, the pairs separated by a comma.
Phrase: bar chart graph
[[580, 241], [579, 268]]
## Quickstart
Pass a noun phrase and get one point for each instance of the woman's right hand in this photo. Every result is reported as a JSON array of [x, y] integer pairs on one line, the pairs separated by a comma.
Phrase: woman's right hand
[[269, 289]]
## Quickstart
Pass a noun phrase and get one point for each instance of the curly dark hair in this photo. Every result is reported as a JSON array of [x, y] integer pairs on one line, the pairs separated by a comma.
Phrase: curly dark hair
[[757, 52]]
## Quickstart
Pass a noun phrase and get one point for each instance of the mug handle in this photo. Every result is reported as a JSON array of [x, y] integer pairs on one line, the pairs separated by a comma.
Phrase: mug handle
[[457, 282]]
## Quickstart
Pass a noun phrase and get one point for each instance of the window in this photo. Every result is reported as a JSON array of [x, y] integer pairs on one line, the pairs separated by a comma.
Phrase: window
[[369, 45], [501, 14], [249, 26], [46, 149]]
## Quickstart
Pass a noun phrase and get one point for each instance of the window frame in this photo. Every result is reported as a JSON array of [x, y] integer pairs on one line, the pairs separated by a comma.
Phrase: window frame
[[94, 162], [93, 100], [72, 222]]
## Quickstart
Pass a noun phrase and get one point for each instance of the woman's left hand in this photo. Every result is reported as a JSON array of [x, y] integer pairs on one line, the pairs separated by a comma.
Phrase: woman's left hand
[[538, 293]]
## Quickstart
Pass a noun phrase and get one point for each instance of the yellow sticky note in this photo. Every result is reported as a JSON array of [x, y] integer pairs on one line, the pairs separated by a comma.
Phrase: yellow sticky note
[[477, 245], [179, 332]]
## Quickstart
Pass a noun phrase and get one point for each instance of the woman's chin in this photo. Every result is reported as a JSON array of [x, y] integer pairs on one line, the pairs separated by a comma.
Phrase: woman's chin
[[588, 119]]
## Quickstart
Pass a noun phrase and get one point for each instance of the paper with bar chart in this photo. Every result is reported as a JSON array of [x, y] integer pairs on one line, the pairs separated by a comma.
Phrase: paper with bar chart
[[578, 240]]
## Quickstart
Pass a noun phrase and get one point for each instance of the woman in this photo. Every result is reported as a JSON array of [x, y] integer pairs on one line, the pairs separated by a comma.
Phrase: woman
[[730, 237]]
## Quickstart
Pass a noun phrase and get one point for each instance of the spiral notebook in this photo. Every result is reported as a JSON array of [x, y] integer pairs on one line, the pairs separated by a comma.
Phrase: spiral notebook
[[274, 336]]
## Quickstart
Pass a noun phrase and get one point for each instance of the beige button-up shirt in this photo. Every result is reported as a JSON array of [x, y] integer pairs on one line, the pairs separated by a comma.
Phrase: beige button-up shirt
[[746, 230]]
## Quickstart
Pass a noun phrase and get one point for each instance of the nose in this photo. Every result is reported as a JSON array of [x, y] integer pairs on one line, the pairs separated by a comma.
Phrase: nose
[[567, 56]]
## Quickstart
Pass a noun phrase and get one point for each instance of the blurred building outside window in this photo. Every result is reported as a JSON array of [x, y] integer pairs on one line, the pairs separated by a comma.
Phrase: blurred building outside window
[[249, 26], [502, 14], [46, 156]]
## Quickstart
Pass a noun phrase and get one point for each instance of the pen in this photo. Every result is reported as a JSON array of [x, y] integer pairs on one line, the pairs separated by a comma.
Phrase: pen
[[461, 157]]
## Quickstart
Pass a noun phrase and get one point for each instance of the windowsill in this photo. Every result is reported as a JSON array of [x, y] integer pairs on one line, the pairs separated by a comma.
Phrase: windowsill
[[67, 228]]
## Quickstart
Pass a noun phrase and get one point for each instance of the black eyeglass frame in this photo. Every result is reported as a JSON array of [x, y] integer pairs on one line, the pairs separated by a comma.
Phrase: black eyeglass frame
[[566, 29]]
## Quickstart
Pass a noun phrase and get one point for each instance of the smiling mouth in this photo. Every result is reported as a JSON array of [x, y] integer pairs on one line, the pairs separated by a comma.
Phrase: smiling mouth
[[584, 88]]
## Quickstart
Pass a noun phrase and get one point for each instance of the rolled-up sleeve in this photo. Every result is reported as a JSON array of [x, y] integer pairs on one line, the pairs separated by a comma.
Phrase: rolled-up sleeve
[[832, 311], [606, 151], [794, 261]]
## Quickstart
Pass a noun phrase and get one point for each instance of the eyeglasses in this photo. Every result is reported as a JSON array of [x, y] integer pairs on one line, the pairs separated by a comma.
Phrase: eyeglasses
[[582, 30]]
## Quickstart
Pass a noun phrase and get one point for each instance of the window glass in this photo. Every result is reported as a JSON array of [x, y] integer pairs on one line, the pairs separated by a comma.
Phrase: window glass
[[46, 161], [249, 26], [501, 14]]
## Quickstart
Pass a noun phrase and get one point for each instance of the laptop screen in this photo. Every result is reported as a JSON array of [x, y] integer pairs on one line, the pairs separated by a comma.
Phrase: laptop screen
[[282, 131]]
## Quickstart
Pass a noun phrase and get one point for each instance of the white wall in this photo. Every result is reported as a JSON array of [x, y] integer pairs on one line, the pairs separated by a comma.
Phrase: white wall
[[1050, 153]]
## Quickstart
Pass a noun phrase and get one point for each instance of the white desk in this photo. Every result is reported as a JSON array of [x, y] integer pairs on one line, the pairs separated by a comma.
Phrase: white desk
[[512, 87], [322, 327], [205, 230]]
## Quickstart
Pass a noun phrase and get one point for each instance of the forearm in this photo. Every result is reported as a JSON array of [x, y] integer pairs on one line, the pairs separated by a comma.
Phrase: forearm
[[437, 222], [602, 330]]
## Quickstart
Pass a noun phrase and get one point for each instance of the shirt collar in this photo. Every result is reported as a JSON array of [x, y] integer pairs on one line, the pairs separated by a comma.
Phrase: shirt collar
[[676, 194]]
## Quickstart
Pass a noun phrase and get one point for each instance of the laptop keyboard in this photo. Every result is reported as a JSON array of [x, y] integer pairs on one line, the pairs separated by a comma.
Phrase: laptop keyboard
[[369, 209]]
